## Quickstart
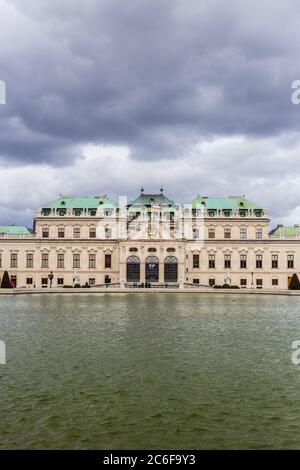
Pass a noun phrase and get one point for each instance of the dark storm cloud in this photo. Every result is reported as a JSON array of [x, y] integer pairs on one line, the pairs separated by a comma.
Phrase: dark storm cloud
[[158, 77], [150, 75]]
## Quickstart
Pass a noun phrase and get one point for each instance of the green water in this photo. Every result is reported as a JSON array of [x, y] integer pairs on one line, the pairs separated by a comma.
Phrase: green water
[[156, 371]]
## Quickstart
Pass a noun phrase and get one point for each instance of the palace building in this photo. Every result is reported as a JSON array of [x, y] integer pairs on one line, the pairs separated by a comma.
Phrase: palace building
[[152, 239]]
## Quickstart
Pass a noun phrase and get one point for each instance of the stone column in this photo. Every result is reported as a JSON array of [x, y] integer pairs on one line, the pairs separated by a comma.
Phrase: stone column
[[142, 272]]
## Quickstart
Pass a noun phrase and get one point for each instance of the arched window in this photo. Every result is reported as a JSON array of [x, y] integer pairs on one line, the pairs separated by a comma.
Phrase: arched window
[[171, 250], [152, 269], [171, 269], [133, 250], [133, 269], [152, 250]]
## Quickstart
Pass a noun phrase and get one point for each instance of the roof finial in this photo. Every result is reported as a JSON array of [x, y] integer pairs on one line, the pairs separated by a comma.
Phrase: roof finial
[[161, 189], [142, 189]]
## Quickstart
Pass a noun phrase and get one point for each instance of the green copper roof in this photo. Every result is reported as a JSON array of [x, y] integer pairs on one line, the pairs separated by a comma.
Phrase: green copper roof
[[14, 230], [225, 203], [70, 202], [151, 200], [282, 231]]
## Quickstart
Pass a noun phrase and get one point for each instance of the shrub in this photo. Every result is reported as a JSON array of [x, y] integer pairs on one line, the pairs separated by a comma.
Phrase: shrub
[[294, 283], [226, 286], [67, 287], [77, 286], [6, 284]]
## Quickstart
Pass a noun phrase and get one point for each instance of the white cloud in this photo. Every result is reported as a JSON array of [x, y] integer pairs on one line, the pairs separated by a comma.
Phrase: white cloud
[[104, 96], [219, 167]]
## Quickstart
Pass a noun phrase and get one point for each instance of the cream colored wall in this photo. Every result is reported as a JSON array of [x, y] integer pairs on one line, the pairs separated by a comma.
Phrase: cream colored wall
[[251, 248], [53, 247], [69, 223], [118, 246]]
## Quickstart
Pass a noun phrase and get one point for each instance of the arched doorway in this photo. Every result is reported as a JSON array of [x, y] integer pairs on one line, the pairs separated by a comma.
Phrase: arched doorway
[[152, 269], [133, 269], [171, 269]]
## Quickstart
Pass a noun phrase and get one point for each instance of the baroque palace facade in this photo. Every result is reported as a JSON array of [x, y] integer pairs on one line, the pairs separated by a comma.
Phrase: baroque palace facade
[[152, 240]]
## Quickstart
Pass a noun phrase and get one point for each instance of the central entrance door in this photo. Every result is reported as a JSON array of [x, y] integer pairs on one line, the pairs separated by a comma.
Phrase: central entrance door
[[133, 269], [152, 269], [171, 269]]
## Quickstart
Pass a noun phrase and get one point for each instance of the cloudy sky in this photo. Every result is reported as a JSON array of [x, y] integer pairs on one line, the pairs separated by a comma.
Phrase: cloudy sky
[[106, 95]]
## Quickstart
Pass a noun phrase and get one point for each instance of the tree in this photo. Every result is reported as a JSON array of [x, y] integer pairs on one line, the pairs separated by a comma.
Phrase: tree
[[6, 284], [294, 283]]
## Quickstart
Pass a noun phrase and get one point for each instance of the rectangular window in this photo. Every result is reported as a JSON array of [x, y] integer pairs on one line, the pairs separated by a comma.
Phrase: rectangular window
[[290, 261], [76, 232], [196, 263], [212, 282], [60, 260], [211, 261], [227, 233], [44, 281], [45, 260], [258, 233], [13, 260], [211, 233], [45, 232], [196, 281], [227, 261], [92, 260], [243, 261], [107, 261], [195, 233], [93, 232], [60, 281], [76, 260], [107, 232], [274, 282], [29, 260], [274, 261], [61, 232], [259, 283], [259, 261], [243, 282], [29, 281], [92, 281], [243, 233]]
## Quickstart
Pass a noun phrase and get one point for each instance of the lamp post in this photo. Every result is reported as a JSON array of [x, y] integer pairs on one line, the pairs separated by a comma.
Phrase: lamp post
[[50, 277], [252, 285]]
